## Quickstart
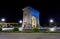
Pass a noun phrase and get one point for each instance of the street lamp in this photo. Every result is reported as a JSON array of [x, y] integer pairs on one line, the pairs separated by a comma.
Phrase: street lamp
[[52, 28], [20, 21], [3, 20], [20, 28], [51, 20]]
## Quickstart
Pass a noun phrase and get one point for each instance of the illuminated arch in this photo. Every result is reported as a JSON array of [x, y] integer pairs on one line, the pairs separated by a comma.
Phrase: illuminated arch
[[34, 22]]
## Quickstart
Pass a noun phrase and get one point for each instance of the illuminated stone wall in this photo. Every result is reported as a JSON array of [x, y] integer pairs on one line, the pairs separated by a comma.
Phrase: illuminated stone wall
[[30, 17], [34, 21], [6, 25]]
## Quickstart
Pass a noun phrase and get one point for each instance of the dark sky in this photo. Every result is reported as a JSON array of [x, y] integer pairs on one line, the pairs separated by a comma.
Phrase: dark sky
[[12, 10]]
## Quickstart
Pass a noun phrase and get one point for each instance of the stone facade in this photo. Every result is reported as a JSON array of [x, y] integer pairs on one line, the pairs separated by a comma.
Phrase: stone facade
[[30, 18]]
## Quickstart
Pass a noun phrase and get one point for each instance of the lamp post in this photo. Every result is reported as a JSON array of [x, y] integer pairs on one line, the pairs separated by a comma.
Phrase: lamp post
[[52, 28], [3, 20], [20, 22], [51, 21], [21, 28]]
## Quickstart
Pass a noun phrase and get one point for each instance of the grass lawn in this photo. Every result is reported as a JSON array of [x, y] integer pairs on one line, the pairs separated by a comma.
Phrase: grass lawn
[[28, 31], [35, 30]]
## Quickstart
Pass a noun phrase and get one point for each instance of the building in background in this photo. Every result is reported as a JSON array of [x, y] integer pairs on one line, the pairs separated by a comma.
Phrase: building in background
[[30, 18], [8, 25]]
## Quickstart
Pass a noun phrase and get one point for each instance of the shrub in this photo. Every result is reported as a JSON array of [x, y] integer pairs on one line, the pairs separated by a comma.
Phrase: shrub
[[0, 29], [15, 29], [35, 29]]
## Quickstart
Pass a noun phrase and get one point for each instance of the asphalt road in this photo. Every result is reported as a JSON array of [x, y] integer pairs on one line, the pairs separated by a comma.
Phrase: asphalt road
[[29, 36]]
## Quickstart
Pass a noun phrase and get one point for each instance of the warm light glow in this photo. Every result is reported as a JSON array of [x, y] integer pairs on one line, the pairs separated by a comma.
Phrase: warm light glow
[[34, 21]]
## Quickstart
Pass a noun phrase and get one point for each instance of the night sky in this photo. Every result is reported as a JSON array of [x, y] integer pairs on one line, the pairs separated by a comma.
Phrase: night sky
[[12, 10]]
